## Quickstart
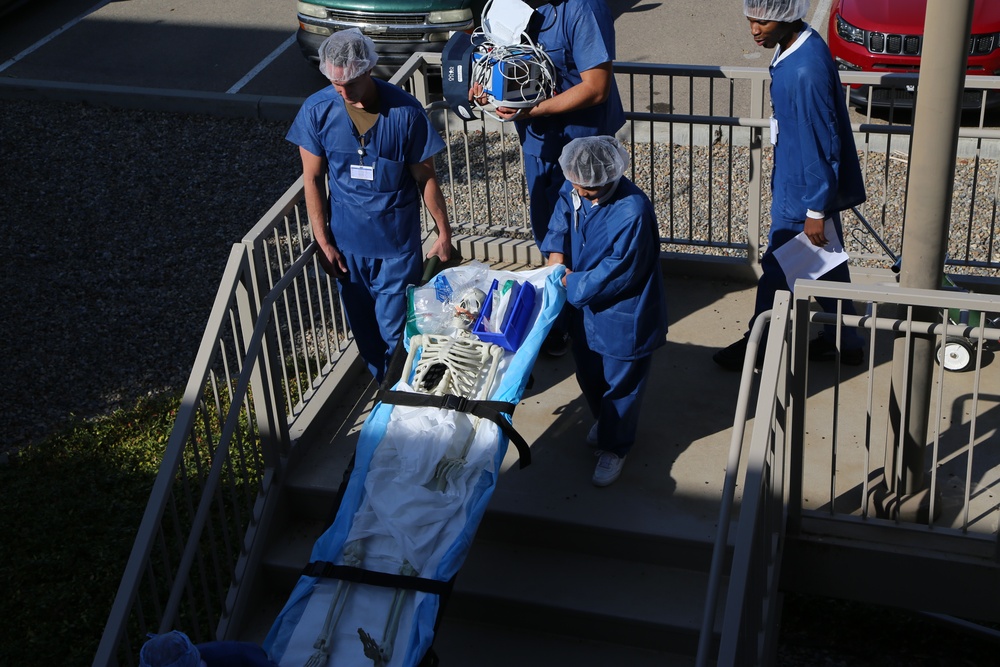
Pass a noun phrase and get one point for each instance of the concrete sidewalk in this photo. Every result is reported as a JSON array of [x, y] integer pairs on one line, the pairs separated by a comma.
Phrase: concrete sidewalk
[[672, 480]]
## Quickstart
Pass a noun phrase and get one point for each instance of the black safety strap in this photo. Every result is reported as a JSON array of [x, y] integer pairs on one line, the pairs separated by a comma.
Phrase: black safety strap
[[325, 570], [498, 412]]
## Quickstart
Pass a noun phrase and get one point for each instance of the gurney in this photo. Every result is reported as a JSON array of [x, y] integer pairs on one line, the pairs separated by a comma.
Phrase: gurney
[[425, 467]]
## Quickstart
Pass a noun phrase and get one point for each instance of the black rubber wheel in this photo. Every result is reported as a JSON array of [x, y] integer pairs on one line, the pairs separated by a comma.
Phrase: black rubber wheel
[[957, 354]]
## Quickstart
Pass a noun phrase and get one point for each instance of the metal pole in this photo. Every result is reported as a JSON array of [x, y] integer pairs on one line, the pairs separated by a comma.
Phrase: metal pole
[[936, 122]]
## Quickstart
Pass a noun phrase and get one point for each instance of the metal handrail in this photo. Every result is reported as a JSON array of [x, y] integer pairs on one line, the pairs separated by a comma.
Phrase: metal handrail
[[769, 373], [236, 267]]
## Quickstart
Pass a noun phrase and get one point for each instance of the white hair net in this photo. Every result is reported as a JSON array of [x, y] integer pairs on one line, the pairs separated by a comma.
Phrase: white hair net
[[776, 10], [171, 649], [591, 162], [348, 50]]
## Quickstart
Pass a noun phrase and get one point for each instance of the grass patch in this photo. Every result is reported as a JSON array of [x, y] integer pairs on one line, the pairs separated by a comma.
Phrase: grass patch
[[71, 506]]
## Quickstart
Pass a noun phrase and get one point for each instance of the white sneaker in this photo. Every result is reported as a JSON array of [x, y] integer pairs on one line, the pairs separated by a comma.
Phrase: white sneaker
[[592, 435], [609, 468]]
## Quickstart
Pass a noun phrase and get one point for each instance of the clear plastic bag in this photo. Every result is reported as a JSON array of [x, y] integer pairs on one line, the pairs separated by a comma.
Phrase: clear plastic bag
[[451, 302]]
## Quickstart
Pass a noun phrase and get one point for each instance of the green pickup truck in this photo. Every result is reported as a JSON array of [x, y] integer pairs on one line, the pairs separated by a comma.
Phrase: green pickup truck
[[399, 28]]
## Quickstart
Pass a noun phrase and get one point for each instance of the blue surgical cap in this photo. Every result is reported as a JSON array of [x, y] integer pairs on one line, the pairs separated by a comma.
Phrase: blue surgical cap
[[171, 649]]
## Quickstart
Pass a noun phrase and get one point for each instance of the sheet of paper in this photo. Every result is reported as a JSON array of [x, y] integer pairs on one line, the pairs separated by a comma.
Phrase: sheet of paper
[[506, 20], [799, 258]]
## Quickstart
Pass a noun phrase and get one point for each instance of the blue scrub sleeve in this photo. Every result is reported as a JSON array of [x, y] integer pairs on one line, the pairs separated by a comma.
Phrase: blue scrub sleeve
[[592, 37], [824, 147], [623, 270], [304, 132], [557, 238], [423, 139]]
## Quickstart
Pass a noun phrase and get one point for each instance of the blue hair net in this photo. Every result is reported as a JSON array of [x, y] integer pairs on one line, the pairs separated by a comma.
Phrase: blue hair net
[[171, 649]]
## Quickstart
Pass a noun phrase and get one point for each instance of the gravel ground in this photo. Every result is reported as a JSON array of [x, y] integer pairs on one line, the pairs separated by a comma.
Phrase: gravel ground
[[117, 226]]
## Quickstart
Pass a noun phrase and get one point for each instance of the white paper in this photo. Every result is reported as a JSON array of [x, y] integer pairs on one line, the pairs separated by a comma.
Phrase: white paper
[[506, 20], [799, 258]]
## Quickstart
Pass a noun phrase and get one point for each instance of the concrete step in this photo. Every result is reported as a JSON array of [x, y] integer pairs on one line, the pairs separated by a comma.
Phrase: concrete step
[[609, 589], [461, 642], [580, 595], [529, 528]]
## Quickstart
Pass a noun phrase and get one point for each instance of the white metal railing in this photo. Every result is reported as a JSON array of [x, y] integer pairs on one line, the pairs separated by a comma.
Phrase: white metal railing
[[275, 348], [856, 441], [701, 151], [827, 445], [749, 609]]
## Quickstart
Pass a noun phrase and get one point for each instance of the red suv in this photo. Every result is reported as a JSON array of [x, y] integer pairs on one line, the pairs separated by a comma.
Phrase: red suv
[[887, 35]]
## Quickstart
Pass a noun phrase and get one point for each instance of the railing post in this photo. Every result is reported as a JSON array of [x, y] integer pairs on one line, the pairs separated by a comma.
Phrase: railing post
[[755, 177], [265, 386], [797, 394]]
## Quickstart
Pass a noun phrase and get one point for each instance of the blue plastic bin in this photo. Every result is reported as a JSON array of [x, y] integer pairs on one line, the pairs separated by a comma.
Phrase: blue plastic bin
[[517, 318]]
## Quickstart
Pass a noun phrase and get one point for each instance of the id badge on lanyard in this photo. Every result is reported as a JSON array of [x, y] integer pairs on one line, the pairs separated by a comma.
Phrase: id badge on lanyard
[[360, 171], [774, 130]]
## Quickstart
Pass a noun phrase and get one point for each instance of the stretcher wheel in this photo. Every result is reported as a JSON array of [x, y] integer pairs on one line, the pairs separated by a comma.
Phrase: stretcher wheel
[[956, 354]]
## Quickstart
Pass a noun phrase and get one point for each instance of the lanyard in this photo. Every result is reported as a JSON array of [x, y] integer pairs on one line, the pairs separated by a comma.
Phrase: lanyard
[[361, 148]]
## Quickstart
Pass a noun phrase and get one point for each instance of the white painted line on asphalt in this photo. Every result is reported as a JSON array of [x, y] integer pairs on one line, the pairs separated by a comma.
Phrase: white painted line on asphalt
[[821, 15], [261, 65], [48, 38]]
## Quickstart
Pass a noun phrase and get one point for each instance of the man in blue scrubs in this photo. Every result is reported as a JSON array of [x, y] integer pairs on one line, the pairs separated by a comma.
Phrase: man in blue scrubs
[[604, 230], [816, 169], [375, 146], [579, 36]]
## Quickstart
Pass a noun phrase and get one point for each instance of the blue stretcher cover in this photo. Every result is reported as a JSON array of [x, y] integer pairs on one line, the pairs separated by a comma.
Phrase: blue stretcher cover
[[290, 640]]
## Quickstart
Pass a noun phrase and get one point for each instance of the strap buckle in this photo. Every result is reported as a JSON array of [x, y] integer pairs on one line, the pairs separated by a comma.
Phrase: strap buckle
[[453, 402]]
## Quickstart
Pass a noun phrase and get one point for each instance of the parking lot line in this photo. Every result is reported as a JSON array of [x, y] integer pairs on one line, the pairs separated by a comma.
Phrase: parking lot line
[[261, 65], [52, 35]]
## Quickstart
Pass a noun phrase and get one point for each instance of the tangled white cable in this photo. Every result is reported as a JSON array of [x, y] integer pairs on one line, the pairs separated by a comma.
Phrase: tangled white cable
[[513, 71]]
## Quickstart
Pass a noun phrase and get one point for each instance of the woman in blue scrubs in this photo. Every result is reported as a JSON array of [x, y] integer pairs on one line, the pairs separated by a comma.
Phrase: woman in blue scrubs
[[374, 144], [604, 231]]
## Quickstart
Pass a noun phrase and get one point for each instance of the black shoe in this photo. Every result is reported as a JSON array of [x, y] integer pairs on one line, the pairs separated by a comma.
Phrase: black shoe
[[820, 349], [556, 344], [731, 358]]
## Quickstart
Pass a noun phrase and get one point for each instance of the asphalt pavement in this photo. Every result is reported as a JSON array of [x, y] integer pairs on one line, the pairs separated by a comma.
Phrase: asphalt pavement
[[221, 48]]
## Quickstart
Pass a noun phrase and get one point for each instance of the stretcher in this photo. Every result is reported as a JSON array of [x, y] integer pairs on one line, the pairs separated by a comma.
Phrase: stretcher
[[425, 467]]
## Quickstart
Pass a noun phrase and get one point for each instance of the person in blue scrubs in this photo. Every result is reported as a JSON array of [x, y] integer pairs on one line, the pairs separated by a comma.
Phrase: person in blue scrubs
[[579, 36], [374, 145], [604, 230], [174, 649], [816, 169]]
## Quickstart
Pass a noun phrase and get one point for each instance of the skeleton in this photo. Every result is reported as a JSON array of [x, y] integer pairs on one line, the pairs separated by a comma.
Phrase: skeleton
[[381, 654], [354, 554], [463, 366], [453, 365]]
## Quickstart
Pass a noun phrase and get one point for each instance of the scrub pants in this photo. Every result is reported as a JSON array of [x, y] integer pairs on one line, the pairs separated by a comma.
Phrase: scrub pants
[[773, 279], [613, 389], [545, 179], [374, 295]]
